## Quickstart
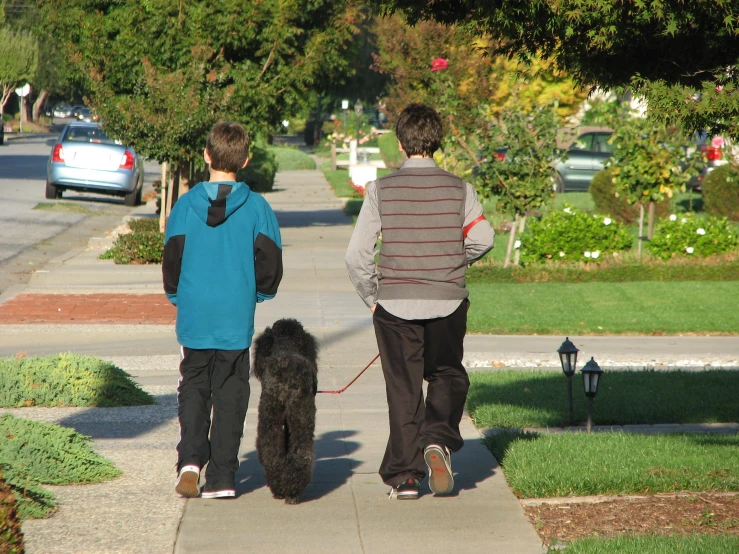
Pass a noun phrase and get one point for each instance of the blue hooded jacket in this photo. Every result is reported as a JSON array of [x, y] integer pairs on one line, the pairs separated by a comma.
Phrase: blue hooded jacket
[[222, 255]]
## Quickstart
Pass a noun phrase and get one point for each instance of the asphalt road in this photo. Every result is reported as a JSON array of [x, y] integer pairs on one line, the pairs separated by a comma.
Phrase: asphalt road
[[29, 235]]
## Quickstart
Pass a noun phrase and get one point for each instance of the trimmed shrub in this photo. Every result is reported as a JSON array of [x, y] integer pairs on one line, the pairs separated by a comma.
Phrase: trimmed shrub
[[261, 171], [603, 190], [571, 235], [32, 500], [144, 245], [292, 159], [721, 192], [389, 151], [11, 537], [67, 380], [689, 236]]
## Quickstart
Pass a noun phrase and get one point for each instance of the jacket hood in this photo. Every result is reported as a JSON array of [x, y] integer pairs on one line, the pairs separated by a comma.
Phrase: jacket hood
[[215, 202]]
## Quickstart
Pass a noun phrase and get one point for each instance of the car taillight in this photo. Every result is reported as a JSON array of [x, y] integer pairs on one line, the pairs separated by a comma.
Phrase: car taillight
[[500, 156], [57, 155], [713, 154], [127, 160]]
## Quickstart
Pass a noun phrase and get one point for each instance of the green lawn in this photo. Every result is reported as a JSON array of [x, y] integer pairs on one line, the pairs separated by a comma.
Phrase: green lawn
[[582, 464], [533, 398], [689, 544], [604, 308], [291, 159]]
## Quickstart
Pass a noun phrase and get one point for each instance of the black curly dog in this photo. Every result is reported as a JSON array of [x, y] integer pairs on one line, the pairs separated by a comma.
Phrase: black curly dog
[[285, 362]]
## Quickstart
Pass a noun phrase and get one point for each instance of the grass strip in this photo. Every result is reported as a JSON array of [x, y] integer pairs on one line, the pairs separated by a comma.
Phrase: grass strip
[[291, 159], [651, 308], [650, 544], [582, 464], [34, 453], [521, 398], [67, 380]]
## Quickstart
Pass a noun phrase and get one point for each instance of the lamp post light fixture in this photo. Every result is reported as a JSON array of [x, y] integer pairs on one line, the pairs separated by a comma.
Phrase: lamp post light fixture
[[345, 106], [568, 358], [358, 109], [591, 376]]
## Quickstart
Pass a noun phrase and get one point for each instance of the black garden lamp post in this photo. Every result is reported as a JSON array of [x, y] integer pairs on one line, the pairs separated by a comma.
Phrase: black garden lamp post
[[591, 375], [358, 109], [568, 358]]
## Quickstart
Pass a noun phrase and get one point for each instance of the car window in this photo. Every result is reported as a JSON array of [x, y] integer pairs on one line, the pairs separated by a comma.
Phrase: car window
[[583, 142], [87, 134], [601, 144]]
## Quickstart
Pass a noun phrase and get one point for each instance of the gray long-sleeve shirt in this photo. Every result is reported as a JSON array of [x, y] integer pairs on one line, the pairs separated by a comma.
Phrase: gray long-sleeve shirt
[[360, 256]]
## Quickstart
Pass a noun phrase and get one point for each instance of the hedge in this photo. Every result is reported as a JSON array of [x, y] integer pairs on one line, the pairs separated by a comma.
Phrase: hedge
[[721, 192], [261, 171], [603, 192]]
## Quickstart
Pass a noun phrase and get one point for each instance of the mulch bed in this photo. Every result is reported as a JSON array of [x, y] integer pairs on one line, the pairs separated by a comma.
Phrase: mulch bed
[[565, 520]]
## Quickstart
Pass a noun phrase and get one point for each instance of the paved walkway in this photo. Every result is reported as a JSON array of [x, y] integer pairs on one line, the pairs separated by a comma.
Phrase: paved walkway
[[345, 509]]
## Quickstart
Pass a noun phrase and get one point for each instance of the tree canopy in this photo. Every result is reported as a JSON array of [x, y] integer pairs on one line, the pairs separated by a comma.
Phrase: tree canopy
[[160, 73], [673, 52], [18, 61]]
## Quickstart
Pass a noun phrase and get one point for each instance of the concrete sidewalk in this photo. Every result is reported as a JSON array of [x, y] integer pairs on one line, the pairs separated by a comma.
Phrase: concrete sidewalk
[[346, 508]]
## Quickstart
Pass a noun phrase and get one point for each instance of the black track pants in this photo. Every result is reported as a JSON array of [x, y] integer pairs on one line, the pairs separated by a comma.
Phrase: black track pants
[[412, 351], [217, 379]]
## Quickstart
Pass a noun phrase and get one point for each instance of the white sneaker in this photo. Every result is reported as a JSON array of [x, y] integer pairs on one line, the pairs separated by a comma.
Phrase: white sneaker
[[223, 493], [439, 461], [187, 482]]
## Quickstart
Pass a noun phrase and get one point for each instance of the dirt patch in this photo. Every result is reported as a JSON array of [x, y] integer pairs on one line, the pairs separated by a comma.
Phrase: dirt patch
[[564, 520]]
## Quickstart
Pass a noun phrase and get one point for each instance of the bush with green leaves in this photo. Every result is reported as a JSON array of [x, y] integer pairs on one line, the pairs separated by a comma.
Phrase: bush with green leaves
[[391, 154], [67, 380], [603, 191], [572, 235], [290, 158], [11, 536], [261, 171], [690, 236], [144, 245], [721, 192], [33, 453]]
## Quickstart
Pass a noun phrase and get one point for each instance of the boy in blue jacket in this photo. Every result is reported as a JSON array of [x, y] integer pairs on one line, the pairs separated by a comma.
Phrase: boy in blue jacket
[[222, 255]]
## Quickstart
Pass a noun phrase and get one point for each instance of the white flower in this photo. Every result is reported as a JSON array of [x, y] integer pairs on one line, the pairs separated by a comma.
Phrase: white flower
[[517, 244], [568, 211], [689, 249], [673, 217], [701, 231], [595, 254], [607, 221], [683, 220], [561, 254], [586, 254]]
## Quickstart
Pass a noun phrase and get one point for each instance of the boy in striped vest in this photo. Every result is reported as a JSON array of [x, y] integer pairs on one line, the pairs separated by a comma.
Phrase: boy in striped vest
[[432, 228]]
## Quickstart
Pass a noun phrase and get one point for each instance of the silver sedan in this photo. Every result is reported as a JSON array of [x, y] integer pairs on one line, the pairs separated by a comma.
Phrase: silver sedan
[[86, 159]]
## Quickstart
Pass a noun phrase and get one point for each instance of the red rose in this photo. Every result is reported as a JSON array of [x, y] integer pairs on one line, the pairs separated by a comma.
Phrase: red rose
[[438, 64]]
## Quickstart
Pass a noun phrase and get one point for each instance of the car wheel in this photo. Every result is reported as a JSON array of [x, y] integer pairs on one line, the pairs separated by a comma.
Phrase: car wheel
[[559, 184], [133, 198], [52, 192]]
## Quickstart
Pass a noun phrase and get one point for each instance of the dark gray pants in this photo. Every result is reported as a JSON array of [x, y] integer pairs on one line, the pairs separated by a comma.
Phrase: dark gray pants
[[412, 351], [217, 379]]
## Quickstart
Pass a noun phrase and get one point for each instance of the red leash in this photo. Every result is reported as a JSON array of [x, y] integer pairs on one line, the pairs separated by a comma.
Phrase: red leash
[[352, 381]]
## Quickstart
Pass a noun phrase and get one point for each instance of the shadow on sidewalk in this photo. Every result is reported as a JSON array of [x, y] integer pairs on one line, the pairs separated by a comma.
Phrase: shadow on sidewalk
[[123, 422], [472, 465], [332, 467], [311, 218]]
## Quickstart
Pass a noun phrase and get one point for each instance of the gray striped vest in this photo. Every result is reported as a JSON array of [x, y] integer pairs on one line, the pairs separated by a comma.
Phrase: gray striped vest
[[422, 253]]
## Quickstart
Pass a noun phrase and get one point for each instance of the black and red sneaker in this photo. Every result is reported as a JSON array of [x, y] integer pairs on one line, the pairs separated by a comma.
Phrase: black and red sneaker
[[407, 490]]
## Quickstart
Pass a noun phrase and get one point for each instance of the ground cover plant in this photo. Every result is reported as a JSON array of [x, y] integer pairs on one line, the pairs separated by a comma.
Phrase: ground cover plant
[[11, 536], [67, 380], [34, 453], [652, 308], [143, 245], [536, 398], [291, 159], [551, 465]]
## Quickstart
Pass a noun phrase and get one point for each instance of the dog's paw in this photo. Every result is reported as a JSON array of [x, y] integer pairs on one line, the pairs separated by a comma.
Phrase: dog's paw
[[277, 496], [292, 500]]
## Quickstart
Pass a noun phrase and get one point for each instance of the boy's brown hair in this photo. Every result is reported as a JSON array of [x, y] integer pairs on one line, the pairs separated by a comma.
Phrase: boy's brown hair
[[227, 146], [419, 130]]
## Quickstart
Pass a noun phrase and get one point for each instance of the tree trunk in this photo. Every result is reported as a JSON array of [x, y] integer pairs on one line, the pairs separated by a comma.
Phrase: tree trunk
[[511, 241], [641, 230], [650, 221], [521, 227], [38, 104], [184, 177], [163, 200]]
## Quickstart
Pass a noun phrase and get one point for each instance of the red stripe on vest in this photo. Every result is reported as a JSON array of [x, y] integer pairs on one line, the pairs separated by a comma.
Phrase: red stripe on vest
[[471, 225]]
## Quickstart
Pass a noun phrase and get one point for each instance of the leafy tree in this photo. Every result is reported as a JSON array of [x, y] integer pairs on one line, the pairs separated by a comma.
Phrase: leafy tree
[[681, 56], [170, 70], [18, 60]]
